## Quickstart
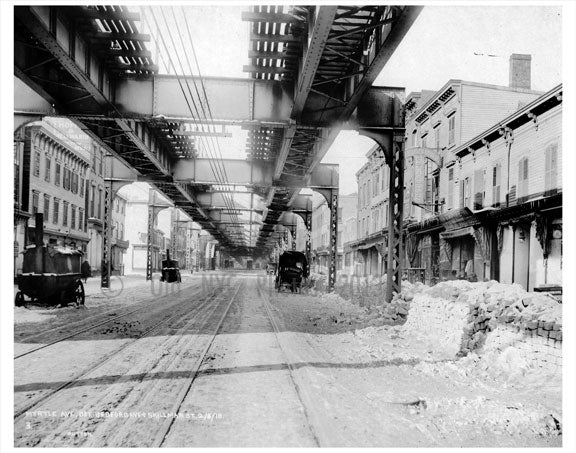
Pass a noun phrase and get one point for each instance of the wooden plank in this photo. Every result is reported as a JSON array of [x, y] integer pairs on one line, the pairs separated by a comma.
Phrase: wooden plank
[[250, 16], [274, 38], [265, 70]]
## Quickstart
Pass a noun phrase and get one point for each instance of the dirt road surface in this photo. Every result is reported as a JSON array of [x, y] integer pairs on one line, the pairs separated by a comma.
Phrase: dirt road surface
[[222, 361]]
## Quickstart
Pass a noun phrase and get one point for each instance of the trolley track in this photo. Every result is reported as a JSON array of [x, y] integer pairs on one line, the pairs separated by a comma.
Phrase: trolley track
[[162, 434], [192, 312], [150, 395], [146, 304], [303, 395]]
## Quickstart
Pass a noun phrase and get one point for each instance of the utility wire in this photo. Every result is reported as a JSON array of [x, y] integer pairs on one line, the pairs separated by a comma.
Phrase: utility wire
[[171, 62]]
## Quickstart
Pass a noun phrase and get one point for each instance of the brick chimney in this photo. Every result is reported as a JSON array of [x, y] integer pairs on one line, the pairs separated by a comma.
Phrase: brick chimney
[[520, 71]]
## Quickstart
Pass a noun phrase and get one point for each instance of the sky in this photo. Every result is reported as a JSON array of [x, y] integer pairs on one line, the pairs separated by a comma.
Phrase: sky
[[445, 42]]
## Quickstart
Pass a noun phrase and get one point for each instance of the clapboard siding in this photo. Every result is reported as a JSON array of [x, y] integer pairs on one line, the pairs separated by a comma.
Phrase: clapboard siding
[[483, 106], [529, 142]]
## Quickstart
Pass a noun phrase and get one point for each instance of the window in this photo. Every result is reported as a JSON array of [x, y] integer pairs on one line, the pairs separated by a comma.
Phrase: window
[[496, 175], [47, 169], [73, 217], [66, 179], [80, 219], [36, 163], [522, 189], [465, 193], [424, 143], [46, 207], [383, 178], [65, 214], [451, 188], [56, 211], [92, 198], [414, 138], [57, 174], [35, 199], [81, 191], [74, 182], [94, 157], [437, 137], [451, 129], [376, 181], [479, 189], [100, 162], [551, 168], [99, 203], [428, 180]]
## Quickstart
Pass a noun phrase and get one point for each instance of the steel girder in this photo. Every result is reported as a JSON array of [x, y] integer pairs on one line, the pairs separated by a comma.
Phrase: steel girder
[[255, 101], [79, 84], [349, 48]]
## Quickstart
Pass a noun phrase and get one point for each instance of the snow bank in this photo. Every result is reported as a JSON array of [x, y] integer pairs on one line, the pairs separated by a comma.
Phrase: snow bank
[[23, 315], [511, 330], [439, 319]]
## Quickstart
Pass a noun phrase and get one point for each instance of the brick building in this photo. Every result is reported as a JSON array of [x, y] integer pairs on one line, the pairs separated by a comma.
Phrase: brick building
[[50, 176], [320, 235]]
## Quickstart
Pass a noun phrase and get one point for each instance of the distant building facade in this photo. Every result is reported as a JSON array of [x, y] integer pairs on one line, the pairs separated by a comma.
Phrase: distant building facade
[[320, 236], [50, 176]]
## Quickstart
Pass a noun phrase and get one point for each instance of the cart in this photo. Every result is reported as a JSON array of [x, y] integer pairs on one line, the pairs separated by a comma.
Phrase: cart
[[170, 270], [292, 269], [51, 275]]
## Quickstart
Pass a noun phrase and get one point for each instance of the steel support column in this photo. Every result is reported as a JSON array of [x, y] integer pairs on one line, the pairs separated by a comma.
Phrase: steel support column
[[153, 209], [391, 142], [174, 234], [106, 237], [112, 185], [308, 221], [333, 239]]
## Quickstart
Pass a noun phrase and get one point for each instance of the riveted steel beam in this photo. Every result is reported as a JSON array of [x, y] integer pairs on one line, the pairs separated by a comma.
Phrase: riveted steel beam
[[236, 171], [161, 96]]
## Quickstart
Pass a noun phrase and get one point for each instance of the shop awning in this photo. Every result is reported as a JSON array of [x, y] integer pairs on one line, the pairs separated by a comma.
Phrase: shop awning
[[457, 233]]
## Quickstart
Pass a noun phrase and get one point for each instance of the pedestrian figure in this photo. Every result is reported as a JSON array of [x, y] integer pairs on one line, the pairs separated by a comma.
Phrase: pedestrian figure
[[85, 271]]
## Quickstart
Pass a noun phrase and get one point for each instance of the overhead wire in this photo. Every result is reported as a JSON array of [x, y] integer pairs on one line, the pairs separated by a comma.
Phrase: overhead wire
[[216, 171], [203, 88], [223, 177]]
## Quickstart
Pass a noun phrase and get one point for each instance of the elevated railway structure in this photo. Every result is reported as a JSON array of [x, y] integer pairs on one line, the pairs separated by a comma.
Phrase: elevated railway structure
[[311, 70]]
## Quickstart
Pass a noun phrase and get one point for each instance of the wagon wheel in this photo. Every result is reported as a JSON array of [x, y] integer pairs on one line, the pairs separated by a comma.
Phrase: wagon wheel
[[79, 294], [19, 299]]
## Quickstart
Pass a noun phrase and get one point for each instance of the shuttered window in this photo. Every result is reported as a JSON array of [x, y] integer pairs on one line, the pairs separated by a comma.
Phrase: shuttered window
[[35, 198], [522, 188], [551, 169], [479, 189], [36, 163], [451, 188], [46, 207], [451, 129], [496, 175], [57, 174], [47, 169], [65, 214], [56, 211]]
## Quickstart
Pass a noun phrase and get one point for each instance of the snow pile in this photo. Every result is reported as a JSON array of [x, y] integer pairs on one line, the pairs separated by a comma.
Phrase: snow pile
[[23, 315], [510, 332], [439, 319]]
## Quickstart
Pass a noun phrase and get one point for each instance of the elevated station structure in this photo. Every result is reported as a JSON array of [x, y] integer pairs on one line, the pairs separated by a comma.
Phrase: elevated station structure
[[311, 73]]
